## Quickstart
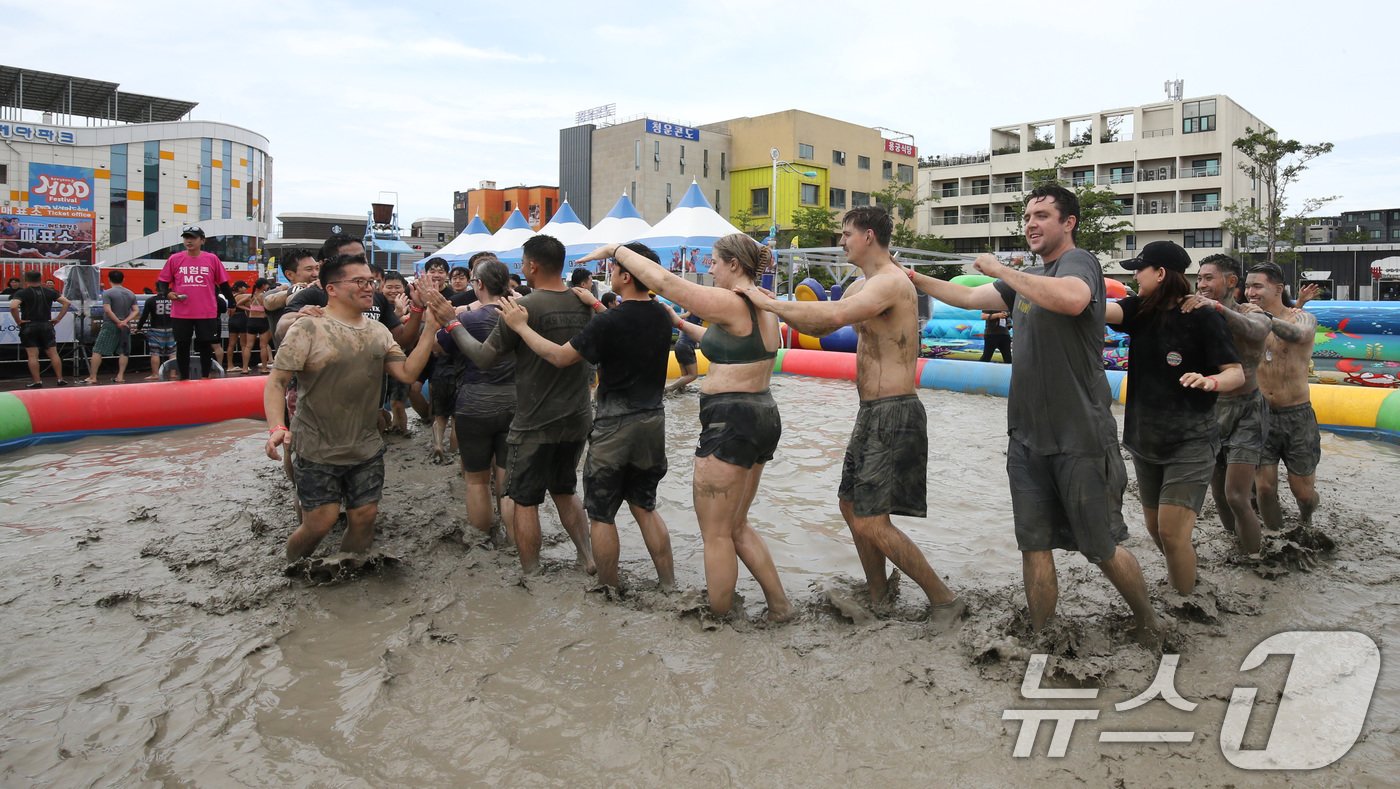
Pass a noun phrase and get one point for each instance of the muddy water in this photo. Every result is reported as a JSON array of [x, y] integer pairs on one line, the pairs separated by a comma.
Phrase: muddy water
[[152, 638]]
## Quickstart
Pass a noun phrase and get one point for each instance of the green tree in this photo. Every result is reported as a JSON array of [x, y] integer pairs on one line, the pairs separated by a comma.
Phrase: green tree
[[1276, 165], [742, 219], [815, 226], [1250, 227], [1101, 222]]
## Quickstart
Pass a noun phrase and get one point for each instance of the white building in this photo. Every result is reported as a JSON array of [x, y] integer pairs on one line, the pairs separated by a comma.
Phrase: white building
[[1172, 165], [132, 166]]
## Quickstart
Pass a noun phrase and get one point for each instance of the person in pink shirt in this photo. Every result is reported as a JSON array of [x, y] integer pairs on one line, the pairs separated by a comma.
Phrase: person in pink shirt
[[193, 279]]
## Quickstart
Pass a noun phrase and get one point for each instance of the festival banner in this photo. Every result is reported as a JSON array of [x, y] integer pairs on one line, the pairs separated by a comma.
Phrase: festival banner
[[60, 186], [46, 236]]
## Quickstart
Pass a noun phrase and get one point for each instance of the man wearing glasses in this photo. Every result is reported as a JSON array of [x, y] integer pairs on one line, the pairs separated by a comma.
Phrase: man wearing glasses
[[311, 301], [338, 453]]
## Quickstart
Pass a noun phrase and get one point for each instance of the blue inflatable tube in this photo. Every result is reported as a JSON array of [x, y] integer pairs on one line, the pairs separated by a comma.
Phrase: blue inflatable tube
[[989, 379]]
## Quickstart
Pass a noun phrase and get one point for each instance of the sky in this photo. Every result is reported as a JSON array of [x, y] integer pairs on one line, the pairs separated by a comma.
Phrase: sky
[[413, 103]]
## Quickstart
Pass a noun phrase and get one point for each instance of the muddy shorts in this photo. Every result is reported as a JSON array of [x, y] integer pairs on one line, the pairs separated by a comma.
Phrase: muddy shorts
[[36, 334], [536, 468], [160, 342], [319, 484], [442, 393], [685, 353], [112, 340], [482, 439], [395, 392], [1294, 439], [626, 461], [740, 428], [1070, 502], [1181, 481], [886, 463], [1244, 424]]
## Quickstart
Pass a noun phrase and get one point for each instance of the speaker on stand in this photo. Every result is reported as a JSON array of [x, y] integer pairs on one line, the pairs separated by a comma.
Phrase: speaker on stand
[[82, 286]]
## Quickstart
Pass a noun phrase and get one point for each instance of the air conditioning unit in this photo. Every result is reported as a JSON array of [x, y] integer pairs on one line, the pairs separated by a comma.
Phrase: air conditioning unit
[[1161, 173], [1148, 175], [1155, 206]]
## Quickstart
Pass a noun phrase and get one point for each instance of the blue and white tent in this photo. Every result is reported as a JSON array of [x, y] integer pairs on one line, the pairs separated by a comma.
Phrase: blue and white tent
[[507, 241], [622, 224], [476, 237], [687, 234], [566, 226]]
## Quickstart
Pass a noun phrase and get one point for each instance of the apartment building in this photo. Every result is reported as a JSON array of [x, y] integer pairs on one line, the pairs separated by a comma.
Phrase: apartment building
[[1172, 166]]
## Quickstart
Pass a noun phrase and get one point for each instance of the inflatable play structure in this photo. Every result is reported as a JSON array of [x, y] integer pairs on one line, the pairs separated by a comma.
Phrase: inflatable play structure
[[950, 332], [1358, 343], [50, 415]]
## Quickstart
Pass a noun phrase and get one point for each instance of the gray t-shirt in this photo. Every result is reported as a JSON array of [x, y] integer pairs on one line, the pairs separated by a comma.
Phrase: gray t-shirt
[[551, 403], [119, 300], [1059, 399]]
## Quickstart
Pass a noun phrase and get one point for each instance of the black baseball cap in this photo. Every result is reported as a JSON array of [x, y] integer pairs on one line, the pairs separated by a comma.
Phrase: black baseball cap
[[191, 230], [1160, 254]]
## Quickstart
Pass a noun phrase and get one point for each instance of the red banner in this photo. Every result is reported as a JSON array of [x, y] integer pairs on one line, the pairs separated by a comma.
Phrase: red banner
[[900, 148]]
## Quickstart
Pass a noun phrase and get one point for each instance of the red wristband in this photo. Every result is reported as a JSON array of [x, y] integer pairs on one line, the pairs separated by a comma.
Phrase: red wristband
[[274, 430], [449, 327], [598, 306], [414, 308]]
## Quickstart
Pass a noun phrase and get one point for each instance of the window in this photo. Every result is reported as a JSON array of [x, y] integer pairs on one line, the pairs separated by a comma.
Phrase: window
[[1393, 214], [811, 194], [117, 204], [1082, 178], [723, 168], [206, 178], [668, 198], [1202, 168], [980, 186], [1375, 235], [4, 173], [1198, 116], [717, 209], [837, 198], [1130, 242], [1008, 214], [950, 216], [1197, 239], [859, 199], [863, 162], [705, 165], [637, 156], [1395, 233], [1375, 216], [633, 192], [758, 201], [969, 246], [805, 151], [656, 155], [838, 157], [887, 170], [950, 188], [228, 180], [548, 208], [682, 160], [507, 207], [906, 173], [150, 203], [1120, 175], [1012, 184], [442, 237]]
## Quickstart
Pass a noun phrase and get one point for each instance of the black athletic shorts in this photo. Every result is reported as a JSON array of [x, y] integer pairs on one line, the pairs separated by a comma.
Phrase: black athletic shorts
[[886, 464], [1070, 502], [482, 439], [357, 485], [442, 392], [37, 334], [740, 428], [685, 352], [534, 469], [626, 461], [238, 322]]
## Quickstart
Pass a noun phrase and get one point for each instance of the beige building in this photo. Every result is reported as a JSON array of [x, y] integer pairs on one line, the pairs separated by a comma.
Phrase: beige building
[[1172, 165], [654, 161]]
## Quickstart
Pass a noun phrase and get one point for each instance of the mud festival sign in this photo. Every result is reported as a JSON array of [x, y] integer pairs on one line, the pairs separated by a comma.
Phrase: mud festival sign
[[60, 186]]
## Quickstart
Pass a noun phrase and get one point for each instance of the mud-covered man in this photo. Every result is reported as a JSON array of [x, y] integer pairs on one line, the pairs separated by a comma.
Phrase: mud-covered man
[[885, 468], [1283, 378], [338, 453], [1241, 411], [1066, 472]]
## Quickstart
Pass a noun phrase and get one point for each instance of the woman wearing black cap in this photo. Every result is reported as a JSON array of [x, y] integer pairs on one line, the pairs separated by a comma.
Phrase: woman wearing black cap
[[1177, 361]]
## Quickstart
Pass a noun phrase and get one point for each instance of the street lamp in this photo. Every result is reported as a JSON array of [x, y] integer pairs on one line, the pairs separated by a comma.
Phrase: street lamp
[[773, 198], [773, 210]]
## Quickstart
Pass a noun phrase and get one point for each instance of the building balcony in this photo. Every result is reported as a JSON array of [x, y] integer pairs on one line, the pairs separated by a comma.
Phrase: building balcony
[[980, 189], [1010, 188], [976, 219], [1200, 172], [1199, 207], [1156, 207], [953, 192], [947, 220], [1150, 133], [1159, 173], [1120, 178], [954, 161], [1084, 180]]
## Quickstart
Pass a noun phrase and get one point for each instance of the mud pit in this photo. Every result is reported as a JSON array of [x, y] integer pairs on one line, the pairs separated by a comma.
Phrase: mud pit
[[155, 639]]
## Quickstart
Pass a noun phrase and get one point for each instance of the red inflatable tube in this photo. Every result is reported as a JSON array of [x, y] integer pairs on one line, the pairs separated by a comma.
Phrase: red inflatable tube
[[152, 405], [820, 364]]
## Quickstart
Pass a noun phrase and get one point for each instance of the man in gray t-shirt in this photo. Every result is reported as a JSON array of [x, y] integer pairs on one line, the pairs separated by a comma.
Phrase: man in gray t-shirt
[[552, 416], [119, 311], [1066, 473]]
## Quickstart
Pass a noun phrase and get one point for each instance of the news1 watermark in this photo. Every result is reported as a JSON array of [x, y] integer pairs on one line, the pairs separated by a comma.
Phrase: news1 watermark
[[1320, 715]]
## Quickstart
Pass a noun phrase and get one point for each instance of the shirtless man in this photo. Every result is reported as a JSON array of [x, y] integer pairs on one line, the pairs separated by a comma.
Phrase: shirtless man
[[1067, 475], [1243, 416], [1283, 377], [886, 463]]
